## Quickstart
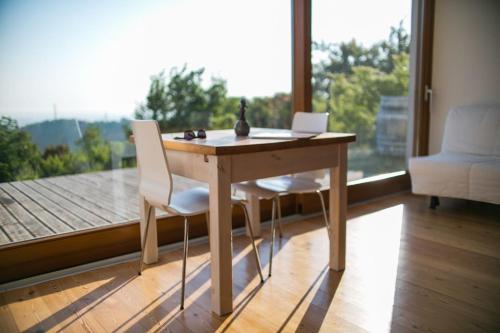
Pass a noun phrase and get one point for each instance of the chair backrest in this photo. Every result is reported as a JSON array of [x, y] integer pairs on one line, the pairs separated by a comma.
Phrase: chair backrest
[[473, 130], [155, 179], [310, 122]]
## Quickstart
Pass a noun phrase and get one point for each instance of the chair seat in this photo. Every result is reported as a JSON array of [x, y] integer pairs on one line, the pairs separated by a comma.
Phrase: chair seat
[[289, 184], [252, 188], [268, 188], [192, 202]]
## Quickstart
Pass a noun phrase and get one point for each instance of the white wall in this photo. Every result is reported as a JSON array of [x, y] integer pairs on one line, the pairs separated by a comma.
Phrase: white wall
[[466, 59]]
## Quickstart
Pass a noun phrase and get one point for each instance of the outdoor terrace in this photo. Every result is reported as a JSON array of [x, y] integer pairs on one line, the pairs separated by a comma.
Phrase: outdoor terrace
[[57, 205]]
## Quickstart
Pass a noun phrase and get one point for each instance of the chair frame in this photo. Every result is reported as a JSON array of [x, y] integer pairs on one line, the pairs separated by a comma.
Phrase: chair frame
[[277, 202], [186, 234], [276, 207], [186, 245]]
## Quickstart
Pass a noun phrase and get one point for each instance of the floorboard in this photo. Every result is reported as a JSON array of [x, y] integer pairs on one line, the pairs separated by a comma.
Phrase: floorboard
[[60, 212], [92, 204], [86, 215], [11, 228], [23, 212]]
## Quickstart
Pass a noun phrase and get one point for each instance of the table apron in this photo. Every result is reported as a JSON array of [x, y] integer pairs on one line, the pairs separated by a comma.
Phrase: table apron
[[189, 165], [265, 164], [251, 166]]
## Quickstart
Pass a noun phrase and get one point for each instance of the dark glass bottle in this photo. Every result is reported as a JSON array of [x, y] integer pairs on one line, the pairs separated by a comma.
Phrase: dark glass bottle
[[241, 128]]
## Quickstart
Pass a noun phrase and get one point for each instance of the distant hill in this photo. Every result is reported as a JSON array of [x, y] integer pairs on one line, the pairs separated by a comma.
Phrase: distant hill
[[68, 131]]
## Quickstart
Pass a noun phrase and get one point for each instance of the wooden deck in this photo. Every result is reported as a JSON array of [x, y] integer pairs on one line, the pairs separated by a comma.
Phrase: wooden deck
[[59, 205], [53, 206]]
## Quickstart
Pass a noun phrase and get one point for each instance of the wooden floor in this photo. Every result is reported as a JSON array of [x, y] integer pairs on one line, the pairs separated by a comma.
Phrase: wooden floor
[[58, 205], [408, 269]]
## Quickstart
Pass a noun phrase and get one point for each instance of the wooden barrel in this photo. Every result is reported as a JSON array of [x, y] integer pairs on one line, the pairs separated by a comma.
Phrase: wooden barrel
[[392, 123]]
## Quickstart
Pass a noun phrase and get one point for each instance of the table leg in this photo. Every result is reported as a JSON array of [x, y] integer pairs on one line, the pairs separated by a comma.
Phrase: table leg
[[220, 234], [253, 207], [151, 247], [338, 209]]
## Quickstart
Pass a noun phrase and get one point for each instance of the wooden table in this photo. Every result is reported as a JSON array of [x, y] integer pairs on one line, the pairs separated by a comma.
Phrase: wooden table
[[222, 159]]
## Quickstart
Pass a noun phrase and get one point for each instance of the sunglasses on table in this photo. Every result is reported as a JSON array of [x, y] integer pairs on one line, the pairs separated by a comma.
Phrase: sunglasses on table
[[190, 135]]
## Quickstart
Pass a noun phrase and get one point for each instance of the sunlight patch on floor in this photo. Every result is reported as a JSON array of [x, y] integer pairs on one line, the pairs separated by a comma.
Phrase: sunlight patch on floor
[[378, 238]]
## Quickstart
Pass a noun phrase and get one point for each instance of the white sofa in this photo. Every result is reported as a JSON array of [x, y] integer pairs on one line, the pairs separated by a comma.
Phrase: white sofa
[[468, 165]]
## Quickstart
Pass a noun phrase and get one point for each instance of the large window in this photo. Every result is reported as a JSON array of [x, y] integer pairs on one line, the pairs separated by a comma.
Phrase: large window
[[73, 74], [360, 57]]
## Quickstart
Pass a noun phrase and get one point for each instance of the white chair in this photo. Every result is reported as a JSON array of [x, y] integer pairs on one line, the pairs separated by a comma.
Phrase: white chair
[[305, 182], [155, 185]]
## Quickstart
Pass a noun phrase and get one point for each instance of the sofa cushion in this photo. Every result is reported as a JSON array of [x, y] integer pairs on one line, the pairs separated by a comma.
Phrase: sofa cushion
[[473, 130], [484, 181], [443, 174]]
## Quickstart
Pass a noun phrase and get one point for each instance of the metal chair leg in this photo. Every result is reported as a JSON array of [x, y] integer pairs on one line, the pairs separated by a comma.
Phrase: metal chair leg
[[144, 240], [327, 223], [273, 231], [278, 200], [184, 259], [255, 251]]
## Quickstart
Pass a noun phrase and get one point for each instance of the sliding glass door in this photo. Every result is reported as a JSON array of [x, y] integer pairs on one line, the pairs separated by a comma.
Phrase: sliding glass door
[[361, 57]]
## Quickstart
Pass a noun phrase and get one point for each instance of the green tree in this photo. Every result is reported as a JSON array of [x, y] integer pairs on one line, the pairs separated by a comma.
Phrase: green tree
[[225, 114], [346, 56], [188, 100], [180, 102], [58, 160], [355, 99], [397, 43], [19, 157], [156, 106], [185, 104], [97, 152], [274, 111]]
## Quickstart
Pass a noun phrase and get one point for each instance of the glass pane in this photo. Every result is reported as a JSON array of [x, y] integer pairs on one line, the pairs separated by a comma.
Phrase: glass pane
[[73, 74], [361, 75]]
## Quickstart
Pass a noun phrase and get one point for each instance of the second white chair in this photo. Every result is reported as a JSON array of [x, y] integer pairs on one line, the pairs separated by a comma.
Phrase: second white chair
[[156, 184], [305, 182]]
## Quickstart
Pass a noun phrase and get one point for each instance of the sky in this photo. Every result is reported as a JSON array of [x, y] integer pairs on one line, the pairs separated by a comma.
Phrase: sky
[[93, 59]]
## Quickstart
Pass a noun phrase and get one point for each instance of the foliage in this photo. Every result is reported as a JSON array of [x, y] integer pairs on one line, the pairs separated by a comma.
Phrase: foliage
[[180, 102], [348, 81], [270, 112], [95, 149], [19, 157], [225, 115], [58, 160], [343, 58], [355, 99]]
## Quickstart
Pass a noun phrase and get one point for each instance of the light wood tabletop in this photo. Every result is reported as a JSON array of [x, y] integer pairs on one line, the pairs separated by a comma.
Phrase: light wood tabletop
[[224, 142], [222, 159]]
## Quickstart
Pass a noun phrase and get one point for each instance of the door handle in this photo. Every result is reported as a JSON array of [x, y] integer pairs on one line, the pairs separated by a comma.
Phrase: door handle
[[427, 93]]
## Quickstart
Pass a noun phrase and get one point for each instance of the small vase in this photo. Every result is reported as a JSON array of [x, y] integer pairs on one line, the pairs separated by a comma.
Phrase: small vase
[[242, 128]]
